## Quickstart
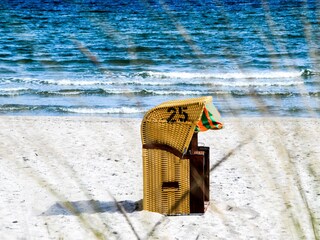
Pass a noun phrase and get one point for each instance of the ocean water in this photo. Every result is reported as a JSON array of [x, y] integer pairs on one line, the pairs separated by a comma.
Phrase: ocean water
[[121, 58]]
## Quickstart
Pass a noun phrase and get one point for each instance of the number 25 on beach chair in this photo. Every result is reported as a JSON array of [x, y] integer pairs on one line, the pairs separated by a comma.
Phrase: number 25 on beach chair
[[175, 169]]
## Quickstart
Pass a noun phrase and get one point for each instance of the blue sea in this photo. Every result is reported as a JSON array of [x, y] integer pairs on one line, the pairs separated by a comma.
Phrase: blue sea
[[121, 58]]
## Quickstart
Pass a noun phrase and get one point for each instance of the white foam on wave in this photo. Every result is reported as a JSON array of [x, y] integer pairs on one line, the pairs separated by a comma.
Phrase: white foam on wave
[[67, 93], [14, 89], [70, 82], [191, 81], [60, 82], [121, 110], [152, 78], [174, 92], [235, 75], [255, 83], [120, 82]]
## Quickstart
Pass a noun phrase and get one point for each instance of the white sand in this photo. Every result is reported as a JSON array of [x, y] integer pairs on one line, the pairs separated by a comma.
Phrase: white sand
[[267, 185]]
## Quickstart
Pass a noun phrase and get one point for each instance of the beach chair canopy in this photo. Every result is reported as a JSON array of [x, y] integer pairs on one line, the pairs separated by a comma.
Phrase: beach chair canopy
[[173, 123]]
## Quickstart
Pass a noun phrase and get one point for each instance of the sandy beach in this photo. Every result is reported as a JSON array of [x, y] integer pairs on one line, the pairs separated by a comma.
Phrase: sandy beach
[[61, 176]]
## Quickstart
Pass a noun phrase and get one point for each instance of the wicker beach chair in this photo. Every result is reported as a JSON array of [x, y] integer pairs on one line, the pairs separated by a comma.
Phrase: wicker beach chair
[[175, 169]]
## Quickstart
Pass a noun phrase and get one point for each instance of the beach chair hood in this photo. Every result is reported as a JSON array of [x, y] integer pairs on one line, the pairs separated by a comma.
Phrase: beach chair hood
[[173, 123]]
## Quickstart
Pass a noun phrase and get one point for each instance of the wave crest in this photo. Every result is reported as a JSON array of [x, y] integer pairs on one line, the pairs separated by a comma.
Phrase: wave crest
[[235, 75]]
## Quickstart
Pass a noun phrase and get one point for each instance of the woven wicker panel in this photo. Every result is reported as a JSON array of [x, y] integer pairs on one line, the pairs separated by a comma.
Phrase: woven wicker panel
[[166, 167], [152, 180], [176, 170]]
